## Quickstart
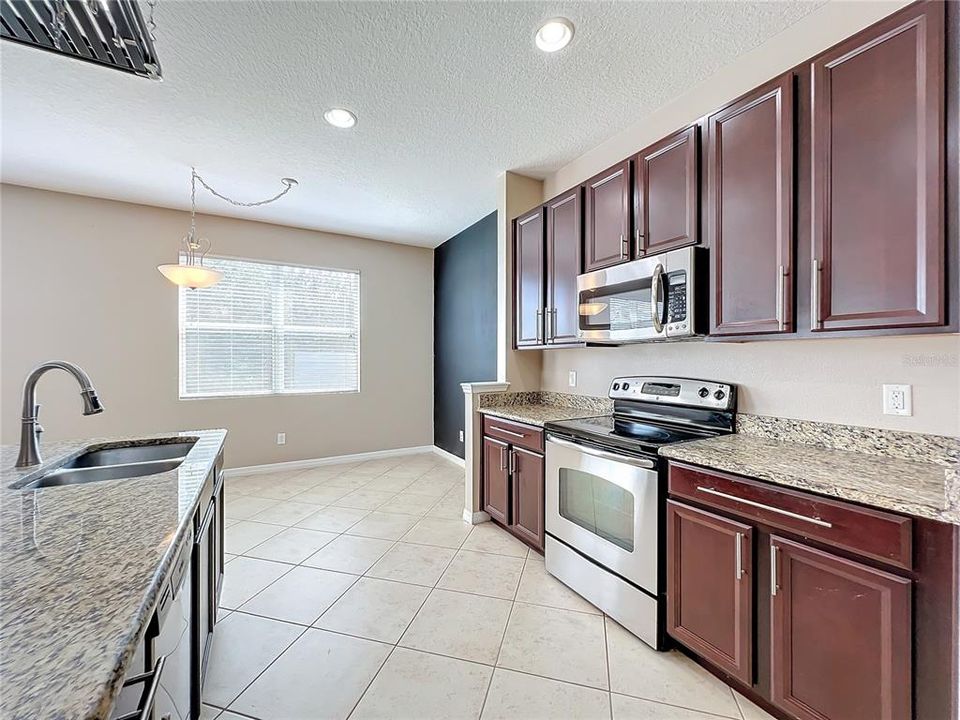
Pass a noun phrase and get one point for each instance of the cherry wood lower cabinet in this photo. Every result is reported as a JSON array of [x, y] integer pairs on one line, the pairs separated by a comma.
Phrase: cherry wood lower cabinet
[[513, 491], [816, 608], [841, 636], [710, 574]]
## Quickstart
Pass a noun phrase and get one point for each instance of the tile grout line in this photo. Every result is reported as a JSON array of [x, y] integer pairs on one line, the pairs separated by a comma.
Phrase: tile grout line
[[606, 653]]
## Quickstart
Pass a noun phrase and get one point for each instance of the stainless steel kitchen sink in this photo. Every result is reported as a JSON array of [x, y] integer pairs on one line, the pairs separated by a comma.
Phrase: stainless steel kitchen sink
[[114, 463]]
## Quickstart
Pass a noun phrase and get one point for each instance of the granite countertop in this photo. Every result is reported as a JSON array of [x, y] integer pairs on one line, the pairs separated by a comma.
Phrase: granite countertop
[[80, 569], [908, 486], [538, 413]]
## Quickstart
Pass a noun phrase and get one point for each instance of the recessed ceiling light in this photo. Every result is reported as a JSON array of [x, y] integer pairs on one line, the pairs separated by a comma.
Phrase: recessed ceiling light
[[340, 117], [554, 35]]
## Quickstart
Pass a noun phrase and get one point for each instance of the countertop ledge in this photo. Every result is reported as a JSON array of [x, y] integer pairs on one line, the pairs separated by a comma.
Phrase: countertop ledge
[[80, 570], [921, 489], [538, 413]]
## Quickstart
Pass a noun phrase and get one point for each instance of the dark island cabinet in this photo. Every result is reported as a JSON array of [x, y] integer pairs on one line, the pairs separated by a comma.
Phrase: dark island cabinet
[[750, 148], [841, 636], [607, 211], [711, 580], [512, 467], [564, 243], [529, 274], [667, 193], [877, 199]]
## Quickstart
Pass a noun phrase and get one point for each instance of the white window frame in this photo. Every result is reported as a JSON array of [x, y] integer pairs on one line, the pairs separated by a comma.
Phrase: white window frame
[[273, 326]]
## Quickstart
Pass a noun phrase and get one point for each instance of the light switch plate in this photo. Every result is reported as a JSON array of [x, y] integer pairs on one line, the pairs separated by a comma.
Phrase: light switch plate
[[281, 438], [461, 436], [572, 378], [897, 400]]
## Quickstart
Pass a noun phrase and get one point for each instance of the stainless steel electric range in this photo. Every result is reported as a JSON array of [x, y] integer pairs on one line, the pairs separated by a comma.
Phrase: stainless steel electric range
[[606, 490]]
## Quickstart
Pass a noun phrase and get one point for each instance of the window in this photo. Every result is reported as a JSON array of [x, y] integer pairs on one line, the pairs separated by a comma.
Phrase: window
[[270, 329]]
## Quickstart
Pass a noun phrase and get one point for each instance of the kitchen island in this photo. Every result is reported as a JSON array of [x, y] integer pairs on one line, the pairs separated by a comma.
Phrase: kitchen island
[[82, 568]]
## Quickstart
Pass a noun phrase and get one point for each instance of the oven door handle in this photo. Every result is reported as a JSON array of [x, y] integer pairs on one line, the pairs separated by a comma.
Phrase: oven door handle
[[613, 457]]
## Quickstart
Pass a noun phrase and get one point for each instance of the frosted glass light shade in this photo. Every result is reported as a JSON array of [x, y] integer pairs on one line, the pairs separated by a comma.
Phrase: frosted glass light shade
[[191, 276]]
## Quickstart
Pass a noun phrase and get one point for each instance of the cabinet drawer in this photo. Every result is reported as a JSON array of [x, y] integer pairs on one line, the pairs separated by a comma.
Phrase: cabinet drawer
[[517, 434], [871, 533]]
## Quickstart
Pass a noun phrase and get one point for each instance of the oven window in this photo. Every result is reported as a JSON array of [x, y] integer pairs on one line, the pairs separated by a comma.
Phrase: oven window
[[597, 505]]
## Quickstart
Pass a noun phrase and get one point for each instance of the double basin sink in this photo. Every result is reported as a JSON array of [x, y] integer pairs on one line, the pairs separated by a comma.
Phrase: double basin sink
[[115, 462]]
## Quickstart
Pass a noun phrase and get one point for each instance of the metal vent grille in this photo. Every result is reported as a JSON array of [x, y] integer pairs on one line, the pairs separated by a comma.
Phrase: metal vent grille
[[106, 32]]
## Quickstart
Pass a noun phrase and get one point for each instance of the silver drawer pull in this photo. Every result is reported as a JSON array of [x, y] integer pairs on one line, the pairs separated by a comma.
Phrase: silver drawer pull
[[787, 513], [508, 432]]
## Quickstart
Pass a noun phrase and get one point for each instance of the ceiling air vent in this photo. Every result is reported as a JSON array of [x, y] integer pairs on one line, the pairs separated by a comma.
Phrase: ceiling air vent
[[106, 32]]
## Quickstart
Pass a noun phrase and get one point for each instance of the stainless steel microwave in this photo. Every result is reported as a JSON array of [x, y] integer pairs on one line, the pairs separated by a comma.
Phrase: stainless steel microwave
[[653, 298]]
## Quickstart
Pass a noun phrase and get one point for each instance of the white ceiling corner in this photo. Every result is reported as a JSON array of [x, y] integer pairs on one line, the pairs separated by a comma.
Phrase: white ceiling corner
[[448, 95]]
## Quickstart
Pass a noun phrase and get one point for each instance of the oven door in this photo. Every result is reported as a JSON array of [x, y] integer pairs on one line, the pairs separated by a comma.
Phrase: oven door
[[604, 506], [647, 299]]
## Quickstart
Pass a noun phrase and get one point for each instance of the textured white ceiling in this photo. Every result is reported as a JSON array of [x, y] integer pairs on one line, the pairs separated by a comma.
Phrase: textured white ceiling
[[448, 95]]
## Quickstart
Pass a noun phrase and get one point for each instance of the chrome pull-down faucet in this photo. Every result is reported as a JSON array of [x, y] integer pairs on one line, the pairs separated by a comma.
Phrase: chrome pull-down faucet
[[30, 428]]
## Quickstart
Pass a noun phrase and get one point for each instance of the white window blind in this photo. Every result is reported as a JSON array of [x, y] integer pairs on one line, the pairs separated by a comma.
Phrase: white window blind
[[270, 329]]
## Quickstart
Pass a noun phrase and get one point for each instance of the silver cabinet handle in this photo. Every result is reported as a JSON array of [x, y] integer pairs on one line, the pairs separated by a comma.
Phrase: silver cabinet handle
[[638, 250], [586, 450], [655, 297], [781, 281], [815, 322], [623, 247], [508, 432], [513, 462], [539, 325], [503, 458], [773, 569], [738, 538], [787, 513]]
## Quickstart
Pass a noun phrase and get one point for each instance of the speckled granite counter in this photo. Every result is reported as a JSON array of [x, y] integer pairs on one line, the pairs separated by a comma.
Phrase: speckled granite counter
[[80, 568], [539, 407], [893, 480]]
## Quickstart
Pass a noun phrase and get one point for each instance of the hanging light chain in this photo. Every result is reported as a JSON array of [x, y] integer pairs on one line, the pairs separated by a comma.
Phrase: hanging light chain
[[59, 22], [151, 23], [289, 184]]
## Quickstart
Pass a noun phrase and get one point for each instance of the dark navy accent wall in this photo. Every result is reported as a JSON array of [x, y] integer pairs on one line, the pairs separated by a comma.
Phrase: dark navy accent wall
[[464, 324]]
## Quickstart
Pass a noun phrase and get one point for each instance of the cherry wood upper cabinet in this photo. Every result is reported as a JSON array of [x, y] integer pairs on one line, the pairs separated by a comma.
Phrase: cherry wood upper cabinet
[[607, 218], [668, 193], [529, 280], [750, 146], [564, 243], [877, 200], [710, 587], [527, 473], [841, 637], [496, 480]]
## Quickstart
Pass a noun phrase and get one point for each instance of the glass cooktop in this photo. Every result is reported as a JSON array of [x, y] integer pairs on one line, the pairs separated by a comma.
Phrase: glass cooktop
[[626, 433]]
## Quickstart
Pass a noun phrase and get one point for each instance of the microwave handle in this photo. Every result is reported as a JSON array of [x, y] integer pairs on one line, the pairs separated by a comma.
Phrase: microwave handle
[[655, 284]]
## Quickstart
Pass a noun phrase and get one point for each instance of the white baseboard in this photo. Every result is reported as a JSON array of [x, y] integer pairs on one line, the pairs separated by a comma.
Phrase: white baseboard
[[318, 462], [449, 456], [475, 518]]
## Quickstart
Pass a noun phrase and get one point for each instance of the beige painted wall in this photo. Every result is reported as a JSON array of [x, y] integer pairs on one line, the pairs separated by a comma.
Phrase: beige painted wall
[[79, 282], [827, 380]]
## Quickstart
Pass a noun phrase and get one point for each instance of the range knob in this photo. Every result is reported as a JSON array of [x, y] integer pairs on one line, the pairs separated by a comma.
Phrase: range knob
[[616, 386], [626, 386], [703, 392], [719, 394]]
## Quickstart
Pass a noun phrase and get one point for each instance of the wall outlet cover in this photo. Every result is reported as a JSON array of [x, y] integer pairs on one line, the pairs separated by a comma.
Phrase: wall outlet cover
[[572, 378], [897, 400], [281, 438]]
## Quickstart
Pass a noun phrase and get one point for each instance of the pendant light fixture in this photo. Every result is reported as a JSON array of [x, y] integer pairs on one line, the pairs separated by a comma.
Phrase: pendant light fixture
[[190, 272]]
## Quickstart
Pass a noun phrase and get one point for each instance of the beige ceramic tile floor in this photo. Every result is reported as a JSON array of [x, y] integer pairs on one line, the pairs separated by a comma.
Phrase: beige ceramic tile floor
[[357, 591]]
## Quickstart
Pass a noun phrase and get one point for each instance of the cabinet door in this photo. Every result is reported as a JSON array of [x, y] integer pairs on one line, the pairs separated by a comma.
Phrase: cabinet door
[[668, 193], [750, 211], [564, 245], [878, 187], [527, 471], [607, 218], [841, 637], [710, 587], [496, 480], [528, 271]]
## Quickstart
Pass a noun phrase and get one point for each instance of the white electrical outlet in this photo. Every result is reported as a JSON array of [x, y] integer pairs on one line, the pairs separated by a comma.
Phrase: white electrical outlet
[[281, 438], [461, 436], [897, 400], [572, 378]]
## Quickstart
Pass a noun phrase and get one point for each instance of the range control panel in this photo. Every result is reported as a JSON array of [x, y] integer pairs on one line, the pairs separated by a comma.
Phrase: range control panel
[[675, 391]]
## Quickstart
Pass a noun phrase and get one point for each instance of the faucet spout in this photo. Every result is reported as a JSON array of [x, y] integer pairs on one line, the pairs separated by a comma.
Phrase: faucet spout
[[30, 427]]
